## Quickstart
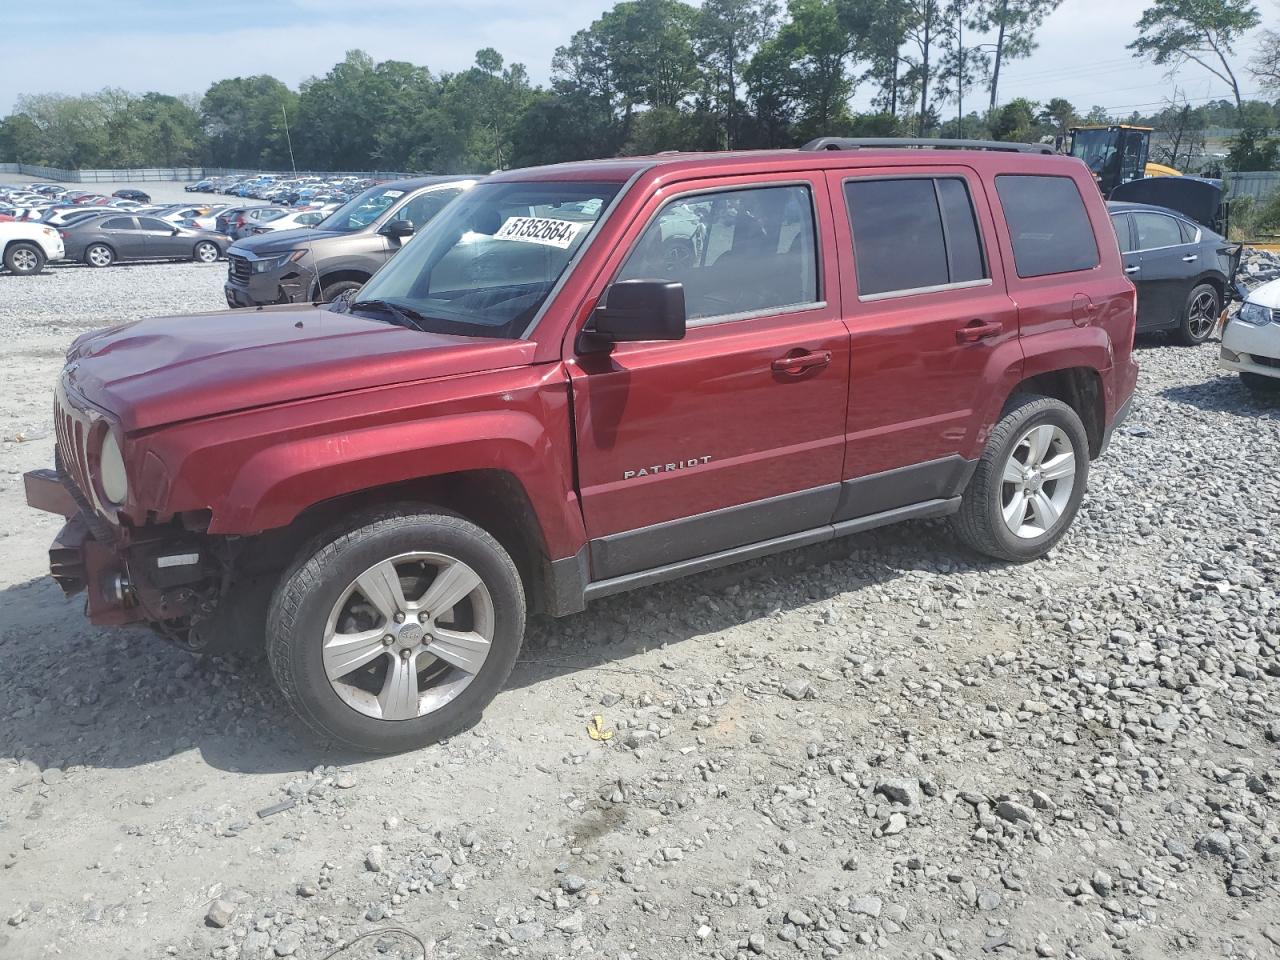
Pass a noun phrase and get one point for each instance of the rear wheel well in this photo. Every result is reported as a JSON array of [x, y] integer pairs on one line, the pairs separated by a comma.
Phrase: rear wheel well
[[1080, 388], [491, 499]]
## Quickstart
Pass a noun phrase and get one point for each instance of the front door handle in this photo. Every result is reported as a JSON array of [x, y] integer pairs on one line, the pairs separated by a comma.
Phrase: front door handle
[[794, 364], [1134, 269], [977, 330], [1190, 258]]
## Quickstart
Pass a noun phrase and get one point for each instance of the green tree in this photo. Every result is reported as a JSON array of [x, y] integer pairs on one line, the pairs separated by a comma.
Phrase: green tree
[[1014, 23], [1059, 114], [880, 31], [1265, 65], [1204, 32], [244, 118], [1253, 148], [818, 48], [726, 34], [1015, 121]]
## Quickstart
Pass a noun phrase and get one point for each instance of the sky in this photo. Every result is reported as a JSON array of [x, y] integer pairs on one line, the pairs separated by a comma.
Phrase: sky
[[178, 46]]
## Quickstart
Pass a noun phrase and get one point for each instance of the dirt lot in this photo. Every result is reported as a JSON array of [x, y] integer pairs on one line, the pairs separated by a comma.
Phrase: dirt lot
[[883, 747]]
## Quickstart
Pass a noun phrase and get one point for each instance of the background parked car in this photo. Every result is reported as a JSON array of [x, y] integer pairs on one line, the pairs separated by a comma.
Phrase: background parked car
[[26, 247], [1251, 340], [288, 220], [131, 194], [343, 251], [1183, 271], [101, 241]]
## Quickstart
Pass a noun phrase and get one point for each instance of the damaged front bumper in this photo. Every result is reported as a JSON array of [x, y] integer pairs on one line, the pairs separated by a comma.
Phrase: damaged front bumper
[[163, 577]]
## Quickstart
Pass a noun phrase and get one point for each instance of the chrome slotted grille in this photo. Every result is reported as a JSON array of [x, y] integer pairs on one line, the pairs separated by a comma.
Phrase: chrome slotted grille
[[238, 269]]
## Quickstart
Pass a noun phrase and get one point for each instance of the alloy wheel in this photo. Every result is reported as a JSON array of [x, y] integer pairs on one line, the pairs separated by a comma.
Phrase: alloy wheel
[[25, 261], [1037, 481], [1202, 314], [408, 635], [206, 253], [100, 256]]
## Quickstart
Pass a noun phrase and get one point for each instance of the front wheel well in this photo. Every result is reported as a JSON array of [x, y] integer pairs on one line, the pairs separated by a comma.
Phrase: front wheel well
[[335, 276], [1080, 388], [493, 500]]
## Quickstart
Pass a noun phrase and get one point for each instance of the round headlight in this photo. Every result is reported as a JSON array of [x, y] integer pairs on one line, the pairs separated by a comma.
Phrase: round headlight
[[111, 475]]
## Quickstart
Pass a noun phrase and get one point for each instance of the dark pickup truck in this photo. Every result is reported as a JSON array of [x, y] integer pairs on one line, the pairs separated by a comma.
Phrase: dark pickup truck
[[589, 378]]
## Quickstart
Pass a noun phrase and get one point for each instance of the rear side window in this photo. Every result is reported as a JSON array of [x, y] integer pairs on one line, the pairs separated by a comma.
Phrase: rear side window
[[1156, 230], [1188, 232], [1048, 224], [913, 234]]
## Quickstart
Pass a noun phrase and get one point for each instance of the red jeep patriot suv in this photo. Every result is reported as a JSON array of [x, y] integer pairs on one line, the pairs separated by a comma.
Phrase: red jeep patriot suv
[[586, 378]]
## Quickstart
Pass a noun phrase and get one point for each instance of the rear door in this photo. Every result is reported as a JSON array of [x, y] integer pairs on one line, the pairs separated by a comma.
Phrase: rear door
[[735, 434], [933, 331], [1168, 268], [125, 237]]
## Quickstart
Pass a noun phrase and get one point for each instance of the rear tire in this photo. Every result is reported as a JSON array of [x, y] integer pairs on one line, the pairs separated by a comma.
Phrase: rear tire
[[1029, 481], [1199, 315], [1257, 383], [99, 255], [337, 288], [397, 631], [24, 259]]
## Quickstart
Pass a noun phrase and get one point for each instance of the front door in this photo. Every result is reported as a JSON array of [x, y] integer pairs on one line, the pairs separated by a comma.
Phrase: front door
[[733, 435], [125, 237], [930, 321], [159, 241]]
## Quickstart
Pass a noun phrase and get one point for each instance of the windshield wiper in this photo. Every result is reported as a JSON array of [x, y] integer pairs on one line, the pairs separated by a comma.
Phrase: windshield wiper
[[405, 316]]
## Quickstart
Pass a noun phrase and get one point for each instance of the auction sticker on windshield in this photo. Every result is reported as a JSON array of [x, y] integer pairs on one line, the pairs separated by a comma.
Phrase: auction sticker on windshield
[[551, 233]]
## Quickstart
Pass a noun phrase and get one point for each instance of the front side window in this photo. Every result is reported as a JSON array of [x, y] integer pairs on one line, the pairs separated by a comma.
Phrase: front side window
[[485, 265], [735, 251], [358, 212], [913, 233], [150, 223], [119, 223], [1048, 224], [1156, 230]]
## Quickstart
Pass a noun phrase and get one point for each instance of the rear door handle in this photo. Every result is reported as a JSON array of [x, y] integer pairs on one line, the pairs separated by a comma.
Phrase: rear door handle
[[977, 330], [796, 363], [1133, 269], [1190, 258]]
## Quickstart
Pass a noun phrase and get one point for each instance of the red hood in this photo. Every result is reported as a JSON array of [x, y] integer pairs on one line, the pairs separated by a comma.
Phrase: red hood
[[160, 371]]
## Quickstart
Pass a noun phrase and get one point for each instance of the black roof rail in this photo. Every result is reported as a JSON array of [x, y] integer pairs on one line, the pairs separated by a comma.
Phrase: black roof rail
[[932, 143]]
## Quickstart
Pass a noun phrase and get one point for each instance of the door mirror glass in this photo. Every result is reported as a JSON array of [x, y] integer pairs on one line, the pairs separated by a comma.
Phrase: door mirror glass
[[398, 229], [634, 310]]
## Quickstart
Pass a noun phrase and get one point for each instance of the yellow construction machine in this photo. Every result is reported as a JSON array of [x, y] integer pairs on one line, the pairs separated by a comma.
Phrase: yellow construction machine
[[1116, 153]]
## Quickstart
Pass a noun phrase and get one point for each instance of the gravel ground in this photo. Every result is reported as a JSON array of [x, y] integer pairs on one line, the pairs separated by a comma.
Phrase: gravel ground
[[881, 747]]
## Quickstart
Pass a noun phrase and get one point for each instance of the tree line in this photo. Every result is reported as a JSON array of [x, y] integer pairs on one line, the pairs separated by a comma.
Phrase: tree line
[[647, 75]]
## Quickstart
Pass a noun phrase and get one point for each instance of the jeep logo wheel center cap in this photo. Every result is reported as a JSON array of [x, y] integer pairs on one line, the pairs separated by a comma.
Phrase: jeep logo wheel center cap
[[409, 635]]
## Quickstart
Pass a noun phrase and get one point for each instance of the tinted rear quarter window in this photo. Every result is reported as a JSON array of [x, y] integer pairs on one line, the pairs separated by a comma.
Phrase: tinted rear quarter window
[[1048, 224]]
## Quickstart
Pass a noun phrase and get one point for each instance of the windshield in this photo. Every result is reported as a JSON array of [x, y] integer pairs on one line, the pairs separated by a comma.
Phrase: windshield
[[485, 265], [1096, 148], [362, 210]]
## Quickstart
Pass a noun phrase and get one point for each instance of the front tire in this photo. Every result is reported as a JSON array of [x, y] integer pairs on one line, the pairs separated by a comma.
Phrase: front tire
[[24, 259], [338, 288], [1199, 315], [99, 255], [205, 252], [1028, 484], [397, 632]]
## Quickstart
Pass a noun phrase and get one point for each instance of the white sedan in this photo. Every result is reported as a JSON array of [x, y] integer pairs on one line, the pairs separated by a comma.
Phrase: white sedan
[[289, 221], [1251, 340]]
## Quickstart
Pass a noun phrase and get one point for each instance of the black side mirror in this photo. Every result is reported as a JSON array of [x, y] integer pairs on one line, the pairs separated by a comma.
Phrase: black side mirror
[[398, 229], [635, 310]]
